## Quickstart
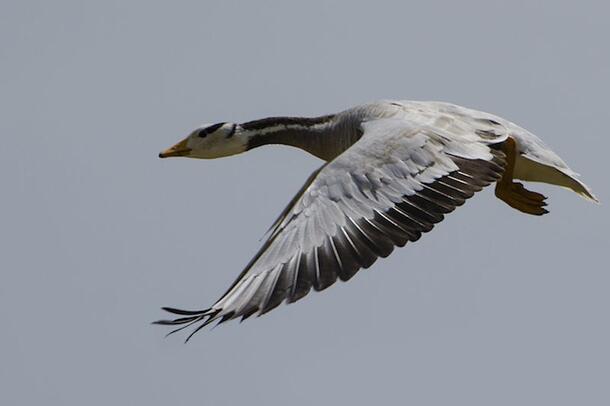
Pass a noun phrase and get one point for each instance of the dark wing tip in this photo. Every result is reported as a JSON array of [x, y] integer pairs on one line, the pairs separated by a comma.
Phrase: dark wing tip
[[186, 312], [194, 316]]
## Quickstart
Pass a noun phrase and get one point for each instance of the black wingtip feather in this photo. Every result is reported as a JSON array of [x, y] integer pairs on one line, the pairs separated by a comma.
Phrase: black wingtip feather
[[182, 328], [195, 316], [185, 312], [205, 323], [181, 320]]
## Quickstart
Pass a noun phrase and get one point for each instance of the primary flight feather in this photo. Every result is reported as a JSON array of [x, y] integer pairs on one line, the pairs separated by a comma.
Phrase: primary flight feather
[[393, 169]]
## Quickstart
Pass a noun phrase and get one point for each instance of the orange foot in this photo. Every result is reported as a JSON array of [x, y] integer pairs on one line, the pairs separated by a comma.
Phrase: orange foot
[[518, 197]]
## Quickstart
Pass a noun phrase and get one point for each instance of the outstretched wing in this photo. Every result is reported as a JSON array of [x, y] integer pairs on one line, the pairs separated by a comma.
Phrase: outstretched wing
[[391, 186]]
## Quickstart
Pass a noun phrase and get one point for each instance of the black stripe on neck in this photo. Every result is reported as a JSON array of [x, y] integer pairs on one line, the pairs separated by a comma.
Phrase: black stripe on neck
[[273, 121]]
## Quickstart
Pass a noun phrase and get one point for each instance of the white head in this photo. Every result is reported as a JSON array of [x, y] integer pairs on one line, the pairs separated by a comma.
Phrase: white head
[[210, 141]]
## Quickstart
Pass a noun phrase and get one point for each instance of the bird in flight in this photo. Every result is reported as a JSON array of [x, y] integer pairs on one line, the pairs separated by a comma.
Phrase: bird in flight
[[392, 170]]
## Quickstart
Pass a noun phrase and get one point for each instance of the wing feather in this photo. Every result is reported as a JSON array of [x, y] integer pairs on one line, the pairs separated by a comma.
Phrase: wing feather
[[389, 188]]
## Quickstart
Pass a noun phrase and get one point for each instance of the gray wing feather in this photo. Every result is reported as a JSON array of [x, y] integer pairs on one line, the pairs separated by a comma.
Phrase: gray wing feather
[[391, 186]]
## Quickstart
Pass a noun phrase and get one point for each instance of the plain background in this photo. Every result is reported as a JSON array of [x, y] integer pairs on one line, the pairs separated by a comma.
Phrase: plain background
[[492, 308]]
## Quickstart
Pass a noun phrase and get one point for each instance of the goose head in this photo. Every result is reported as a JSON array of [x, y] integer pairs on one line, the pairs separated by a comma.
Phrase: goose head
[[210, 141]]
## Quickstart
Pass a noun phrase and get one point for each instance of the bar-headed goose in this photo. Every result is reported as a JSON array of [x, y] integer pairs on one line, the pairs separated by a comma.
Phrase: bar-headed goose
[[393, 169]]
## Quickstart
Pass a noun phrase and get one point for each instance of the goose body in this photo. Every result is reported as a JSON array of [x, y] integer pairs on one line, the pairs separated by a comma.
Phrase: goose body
[[392, 170]]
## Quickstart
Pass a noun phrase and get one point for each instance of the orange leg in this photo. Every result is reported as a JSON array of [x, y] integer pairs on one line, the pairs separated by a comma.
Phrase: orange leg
[[514, 193]]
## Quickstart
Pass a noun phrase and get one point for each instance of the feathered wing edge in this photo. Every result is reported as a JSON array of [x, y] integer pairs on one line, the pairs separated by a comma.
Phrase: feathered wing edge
[[207, 316], [193, 316], [491, 171]]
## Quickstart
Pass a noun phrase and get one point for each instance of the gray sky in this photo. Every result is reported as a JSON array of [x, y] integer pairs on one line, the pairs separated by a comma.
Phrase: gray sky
[[492, 308]]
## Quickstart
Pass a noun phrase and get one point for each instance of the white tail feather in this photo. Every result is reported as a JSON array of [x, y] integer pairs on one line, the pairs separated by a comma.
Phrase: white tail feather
[[532, 171]]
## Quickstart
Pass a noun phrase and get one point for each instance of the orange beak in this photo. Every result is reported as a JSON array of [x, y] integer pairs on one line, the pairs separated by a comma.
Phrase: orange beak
[[180, 149]]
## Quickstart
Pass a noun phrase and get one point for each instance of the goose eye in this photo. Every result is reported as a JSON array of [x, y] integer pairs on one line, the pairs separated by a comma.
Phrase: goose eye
[[202, 133]]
